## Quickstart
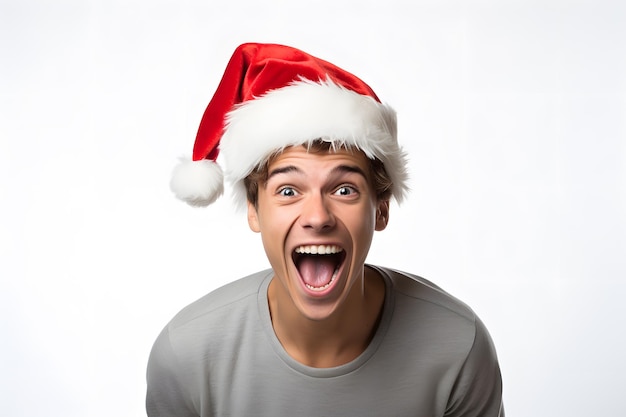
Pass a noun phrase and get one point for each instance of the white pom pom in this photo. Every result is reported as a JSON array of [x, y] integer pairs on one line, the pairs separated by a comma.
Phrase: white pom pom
[[199, 183]]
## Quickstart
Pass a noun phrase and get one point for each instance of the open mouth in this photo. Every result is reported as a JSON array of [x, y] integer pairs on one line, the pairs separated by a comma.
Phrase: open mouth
[[318, 265]]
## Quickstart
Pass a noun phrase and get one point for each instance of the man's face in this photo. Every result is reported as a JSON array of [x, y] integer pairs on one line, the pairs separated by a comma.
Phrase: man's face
[[317, 214]]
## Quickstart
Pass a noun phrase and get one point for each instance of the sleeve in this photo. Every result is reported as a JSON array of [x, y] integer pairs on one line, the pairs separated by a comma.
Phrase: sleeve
[[477, 391], [167, 394]]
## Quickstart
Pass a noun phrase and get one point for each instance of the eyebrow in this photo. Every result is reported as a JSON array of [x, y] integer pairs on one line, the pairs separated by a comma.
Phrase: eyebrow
[[340, 169], [348, 169], [284, 170]]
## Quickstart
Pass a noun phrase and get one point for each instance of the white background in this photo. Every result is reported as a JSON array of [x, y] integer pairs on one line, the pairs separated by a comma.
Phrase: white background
[[514, 115]]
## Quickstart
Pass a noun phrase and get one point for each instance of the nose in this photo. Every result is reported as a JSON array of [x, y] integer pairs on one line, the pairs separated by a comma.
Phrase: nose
[[316, 213]]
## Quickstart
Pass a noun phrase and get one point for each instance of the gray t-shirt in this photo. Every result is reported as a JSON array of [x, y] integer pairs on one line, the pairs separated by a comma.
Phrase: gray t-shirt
[[430, 356]]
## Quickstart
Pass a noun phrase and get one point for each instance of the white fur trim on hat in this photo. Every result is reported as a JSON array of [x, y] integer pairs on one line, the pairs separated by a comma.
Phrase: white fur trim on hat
[[199, 183], [305, 111]]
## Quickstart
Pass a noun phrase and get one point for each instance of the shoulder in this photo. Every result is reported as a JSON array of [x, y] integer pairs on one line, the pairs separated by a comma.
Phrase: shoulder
[[425, 315], [416, 288], [216, 319], [435, 322], [225, 298], [233, 293], [207, 328]]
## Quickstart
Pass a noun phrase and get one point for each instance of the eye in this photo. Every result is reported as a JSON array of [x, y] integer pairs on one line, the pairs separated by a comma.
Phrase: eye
[[345, 190], [287, 192]]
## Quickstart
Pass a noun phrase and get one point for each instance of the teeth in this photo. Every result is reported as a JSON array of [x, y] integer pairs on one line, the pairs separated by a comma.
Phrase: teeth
[[318, 249]]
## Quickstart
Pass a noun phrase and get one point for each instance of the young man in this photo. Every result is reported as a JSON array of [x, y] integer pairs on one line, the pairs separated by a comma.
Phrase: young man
[[313, 153]]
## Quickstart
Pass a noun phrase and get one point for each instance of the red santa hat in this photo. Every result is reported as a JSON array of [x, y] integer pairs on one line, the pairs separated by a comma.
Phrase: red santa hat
[[272, 97]]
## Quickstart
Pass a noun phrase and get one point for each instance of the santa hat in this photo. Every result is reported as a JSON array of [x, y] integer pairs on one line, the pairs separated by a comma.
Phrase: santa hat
[[272, 97]]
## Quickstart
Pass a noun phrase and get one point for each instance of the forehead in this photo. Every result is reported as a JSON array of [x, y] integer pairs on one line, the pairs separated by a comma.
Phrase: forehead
[[297, 155]]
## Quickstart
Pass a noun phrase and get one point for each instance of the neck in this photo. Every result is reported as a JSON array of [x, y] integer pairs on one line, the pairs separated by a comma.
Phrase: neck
[[337, 339]]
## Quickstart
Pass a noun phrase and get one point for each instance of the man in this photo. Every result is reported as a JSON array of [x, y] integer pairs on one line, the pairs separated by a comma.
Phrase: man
[[313, 154]]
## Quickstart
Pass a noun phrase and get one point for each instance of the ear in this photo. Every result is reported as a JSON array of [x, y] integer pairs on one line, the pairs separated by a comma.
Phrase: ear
[[253, 218], [382, 215]]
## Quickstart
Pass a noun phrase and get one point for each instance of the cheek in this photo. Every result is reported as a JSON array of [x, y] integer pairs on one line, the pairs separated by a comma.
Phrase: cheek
[[362, 226], [273, 220], [274, 226]]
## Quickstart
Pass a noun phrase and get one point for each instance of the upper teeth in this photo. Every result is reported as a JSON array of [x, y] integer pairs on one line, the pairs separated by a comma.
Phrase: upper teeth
[[318, 249]]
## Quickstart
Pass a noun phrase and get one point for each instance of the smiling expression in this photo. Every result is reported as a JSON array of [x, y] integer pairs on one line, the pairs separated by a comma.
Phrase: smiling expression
[[317, 212]]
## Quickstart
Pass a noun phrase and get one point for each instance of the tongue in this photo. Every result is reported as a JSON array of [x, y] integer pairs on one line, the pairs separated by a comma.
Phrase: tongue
[[317, 271]]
